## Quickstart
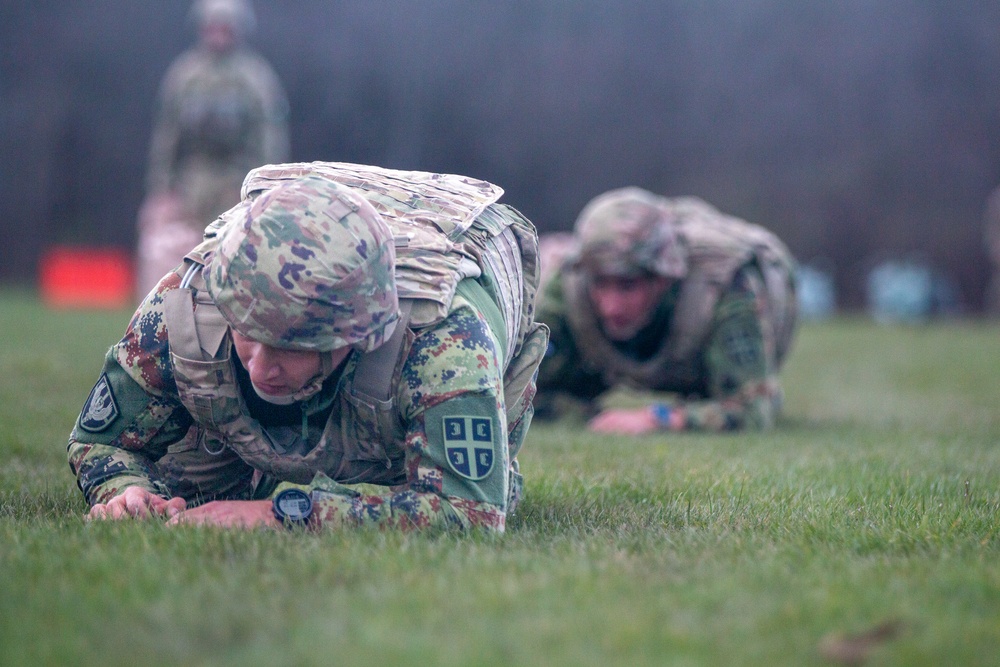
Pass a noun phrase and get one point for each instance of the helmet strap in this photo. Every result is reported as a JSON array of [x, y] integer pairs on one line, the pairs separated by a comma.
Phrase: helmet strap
[[309, 389]]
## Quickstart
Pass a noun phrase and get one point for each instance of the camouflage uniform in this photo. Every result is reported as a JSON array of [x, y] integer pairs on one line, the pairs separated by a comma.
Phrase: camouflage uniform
[[718, 335], [219, 116], [991, 241], [424, 276]]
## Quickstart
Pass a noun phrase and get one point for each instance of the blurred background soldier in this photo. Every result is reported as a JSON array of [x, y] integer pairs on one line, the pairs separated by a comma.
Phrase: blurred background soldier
[[221, 112], [991, 238], [553, 248], [668, 296]]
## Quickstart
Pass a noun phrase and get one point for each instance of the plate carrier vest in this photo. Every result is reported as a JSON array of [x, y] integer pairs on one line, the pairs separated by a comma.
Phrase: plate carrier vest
[[446, 228]]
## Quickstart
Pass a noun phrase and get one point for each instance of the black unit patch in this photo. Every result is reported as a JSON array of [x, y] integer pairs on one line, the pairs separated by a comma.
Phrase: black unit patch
[[100, 410]]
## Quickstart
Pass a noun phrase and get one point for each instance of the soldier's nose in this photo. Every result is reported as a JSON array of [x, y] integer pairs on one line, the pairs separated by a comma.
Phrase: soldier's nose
[[271, 370]]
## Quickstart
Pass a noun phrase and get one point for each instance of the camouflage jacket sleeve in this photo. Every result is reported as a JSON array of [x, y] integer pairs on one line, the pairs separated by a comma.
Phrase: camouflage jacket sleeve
[[741, 381], [563, 369], [132, 413], [457, 452]]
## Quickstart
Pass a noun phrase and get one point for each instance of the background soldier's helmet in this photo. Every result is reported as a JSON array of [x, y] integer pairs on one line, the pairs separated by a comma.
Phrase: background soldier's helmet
[[308, 265], [629, 232], [235, 13]]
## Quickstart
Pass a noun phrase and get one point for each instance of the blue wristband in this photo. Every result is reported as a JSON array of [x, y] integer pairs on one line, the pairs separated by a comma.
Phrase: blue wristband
[[661, 412]]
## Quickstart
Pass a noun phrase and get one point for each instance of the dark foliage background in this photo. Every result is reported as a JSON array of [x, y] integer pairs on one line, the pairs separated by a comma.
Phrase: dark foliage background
[[857, 130]]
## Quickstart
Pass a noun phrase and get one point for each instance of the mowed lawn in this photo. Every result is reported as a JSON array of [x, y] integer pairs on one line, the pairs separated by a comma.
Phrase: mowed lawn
[[863, 530]]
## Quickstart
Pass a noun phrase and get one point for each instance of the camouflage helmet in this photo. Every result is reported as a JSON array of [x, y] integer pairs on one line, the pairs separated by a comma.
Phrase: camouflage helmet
[[629, 232], [308, 265], [236, 13]]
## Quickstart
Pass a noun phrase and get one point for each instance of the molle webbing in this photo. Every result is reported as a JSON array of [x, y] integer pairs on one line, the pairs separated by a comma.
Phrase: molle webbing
[[449, 202], [507, 246], [429, 215], [446, 228]]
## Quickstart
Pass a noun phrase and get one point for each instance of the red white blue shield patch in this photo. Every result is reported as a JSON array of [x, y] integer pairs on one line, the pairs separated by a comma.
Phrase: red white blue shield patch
[[100, 409], [468, 445]]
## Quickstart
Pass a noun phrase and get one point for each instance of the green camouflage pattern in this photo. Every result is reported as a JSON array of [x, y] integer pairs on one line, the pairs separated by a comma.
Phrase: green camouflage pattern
[[718, 242], [431, 217], [152, 443], [629, 232], [451, 368], [450, 202], [717, 338], [308, 265], [218, 116], [728, 382]]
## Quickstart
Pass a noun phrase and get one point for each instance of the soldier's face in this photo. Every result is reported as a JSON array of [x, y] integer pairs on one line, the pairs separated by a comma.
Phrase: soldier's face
[[280, 372], [218, 37], [625, 305]]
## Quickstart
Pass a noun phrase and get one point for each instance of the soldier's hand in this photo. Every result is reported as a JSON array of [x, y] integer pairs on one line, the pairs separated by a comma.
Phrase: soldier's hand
[[136, 502], [230, 514]]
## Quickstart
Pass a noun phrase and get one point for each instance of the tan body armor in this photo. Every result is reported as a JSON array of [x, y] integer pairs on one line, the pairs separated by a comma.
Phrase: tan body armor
[[717, 246], [446, 229]]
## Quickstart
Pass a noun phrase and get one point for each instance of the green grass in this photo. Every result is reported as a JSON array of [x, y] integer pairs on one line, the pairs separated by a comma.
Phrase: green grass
[[877, 499]]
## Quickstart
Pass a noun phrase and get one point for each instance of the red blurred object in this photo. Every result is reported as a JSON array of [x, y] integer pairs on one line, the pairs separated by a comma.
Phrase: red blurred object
[[76, 277]]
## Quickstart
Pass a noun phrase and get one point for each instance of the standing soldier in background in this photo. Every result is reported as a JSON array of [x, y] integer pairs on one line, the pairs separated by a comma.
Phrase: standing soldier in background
[[221, 112], [668, 295], [991, 239], [342, 324]]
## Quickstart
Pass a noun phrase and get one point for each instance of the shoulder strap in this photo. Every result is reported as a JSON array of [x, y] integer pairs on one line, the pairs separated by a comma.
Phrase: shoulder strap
[[696, 302], [196, 326], [373, 374]]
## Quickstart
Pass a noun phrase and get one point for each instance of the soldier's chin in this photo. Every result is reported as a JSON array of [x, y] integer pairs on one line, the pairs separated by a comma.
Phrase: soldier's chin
[[282, 399], [620, 333]]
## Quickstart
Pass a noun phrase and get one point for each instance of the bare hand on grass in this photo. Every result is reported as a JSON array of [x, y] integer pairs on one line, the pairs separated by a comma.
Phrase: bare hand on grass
[[631, 422], [136, 503]]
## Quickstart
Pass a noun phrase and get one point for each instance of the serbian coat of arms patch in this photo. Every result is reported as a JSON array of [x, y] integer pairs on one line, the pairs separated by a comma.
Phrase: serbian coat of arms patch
[[468, 444]]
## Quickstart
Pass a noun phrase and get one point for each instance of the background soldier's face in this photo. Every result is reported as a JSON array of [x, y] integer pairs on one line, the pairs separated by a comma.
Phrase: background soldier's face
[[625, 305], [218, 37]]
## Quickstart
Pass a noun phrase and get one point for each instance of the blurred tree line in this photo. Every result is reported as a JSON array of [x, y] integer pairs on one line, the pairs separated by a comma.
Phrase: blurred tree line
[[856, 130]]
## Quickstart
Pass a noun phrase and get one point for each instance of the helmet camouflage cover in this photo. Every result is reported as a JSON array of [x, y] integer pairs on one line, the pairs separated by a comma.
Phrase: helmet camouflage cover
[[308, 265], [629, 232]]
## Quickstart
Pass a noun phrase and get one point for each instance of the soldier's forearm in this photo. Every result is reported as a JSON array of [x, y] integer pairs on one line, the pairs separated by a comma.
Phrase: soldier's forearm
[[336, 506], [406, 510], [754, 407], [103, 471]]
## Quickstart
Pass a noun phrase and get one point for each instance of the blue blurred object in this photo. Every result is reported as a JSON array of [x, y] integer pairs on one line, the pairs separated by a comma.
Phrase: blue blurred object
[[816, 293], [909, 291]]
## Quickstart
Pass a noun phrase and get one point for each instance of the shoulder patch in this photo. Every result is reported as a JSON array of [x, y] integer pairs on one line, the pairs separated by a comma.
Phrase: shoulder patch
[[100, 410], [467, 439], [742, 347], [468, 445]]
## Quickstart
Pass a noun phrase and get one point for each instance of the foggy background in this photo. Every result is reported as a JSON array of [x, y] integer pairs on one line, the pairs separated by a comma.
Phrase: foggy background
[[857, 130]]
